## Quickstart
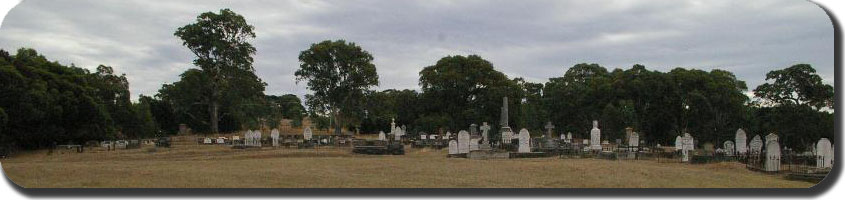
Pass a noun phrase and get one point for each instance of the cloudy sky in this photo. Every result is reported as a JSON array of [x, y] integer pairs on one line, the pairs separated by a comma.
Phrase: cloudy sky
[[531, 39]]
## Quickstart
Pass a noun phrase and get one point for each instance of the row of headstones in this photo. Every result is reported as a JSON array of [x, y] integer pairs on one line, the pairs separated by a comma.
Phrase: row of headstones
[[253, 138], [823, 149], [396, 131], [465, 144]]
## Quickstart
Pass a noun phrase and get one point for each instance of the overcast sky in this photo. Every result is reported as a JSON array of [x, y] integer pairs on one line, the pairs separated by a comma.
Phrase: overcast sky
[[536, 40]]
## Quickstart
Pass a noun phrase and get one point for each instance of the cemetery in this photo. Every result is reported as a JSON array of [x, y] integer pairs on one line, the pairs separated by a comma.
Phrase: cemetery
[[468, 124]]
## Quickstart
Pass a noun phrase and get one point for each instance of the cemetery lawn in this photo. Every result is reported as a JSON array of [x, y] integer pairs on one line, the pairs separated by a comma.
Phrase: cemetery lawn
[[220, 167]]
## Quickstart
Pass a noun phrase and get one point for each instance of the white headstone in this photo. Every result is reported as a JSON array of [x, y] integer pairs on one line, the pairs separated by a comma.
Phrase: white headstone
[[221, 141], [772, 156], [634, 140], [424, 137], [595, 136], [257, 139], [381, 136], [473, 144], [432, 137], [824, 154], [524, 141], [274, 134], [568, 137], [307, 134], [463, 142], [453, 147], [206, 141], [448, 135], [679, 143], [756, 145], [771, 137], [729, 148], [688, 146], [741, 142]]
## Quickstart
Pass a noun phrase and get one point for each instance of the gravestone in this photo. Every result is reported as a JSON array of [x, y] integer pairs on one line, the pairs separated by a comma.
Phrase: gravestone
[[772, 156], [729, 148], [824, 154], [257, 138], [221, 141], [771, 137], [569, 137], [506, 132], [206, 141], [307, 134], [473, 144], [448, 135], [453, 147], [679, 143], [432, 137], [424, 137], [524, 141], [381, 136], [473, 131], [463, 142], [688, 147], [274, 135], [485, 133], [595, 136], [741, 142], [756, 145], [634, 139], [550, 142]]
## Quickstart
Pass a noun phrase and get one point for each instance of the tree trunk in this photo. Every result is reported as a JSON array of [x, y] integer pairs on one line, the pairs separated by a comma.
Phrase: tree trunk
[[214, 119]]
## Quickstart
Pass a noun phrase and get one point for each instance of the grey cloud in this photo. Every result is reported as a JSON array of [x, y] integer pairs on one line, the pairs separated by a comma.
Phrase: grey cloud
[[536, 40]]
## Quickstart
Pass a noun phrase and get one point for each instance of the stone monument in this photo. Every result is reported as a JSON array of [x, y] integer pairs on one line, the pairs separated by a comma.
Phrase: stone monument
[[729, 148], [824, 154], [307, 134], [756, 145], [274, 135], [463, 142], [524, 141], [772, 156], [507, 133], [741, 142], [595, 136], [453, 147]]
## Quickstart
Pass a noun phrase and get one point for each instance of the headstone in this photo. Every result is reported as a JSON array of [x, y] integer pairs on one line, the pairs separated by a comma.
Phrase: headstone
[[473, 144], [688, 146], [221, 141], [679, 143], [206, 141], [506, 132], [236, 137], [473, 130], [274, 135], [741, 142], [729, 148], [448, 135], [257, 139], [453, 147], [524, 141], [772, 156], [634, 140], [824, 154], [756, 145], [771, 137], [432, 137], [463, 142], [307, 134], [595, 136], [423, 137], [568, 137], [381, 136], [485, 133]]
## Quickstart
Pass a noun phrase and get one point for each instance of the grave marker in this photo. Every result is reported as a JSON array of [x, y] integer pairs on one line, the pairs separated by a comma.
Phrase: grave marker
[[524, 141], [741, 142], [772, 156]]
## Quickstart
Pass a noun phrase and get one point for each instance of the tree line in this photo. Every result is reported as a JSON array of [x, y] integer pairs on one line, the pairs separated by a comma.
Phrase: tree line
[[42, 102]]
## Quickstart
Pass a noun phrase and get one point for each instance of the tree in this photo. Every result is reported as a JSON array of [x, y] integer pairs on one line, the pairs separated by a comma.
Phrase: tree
[[221, 43], [338, 73], [797, 85], [466, 90]]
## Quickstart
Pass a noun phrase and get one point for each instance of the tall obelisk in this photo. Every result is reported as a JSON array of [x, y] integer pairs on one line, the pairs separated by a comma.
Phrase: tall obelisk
[[506, 132]]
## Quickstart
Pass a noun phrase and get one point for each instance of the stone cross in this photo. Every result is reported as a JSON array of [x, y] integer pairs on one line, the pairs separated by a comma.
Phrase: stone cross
[[549, 130], [485, 133]]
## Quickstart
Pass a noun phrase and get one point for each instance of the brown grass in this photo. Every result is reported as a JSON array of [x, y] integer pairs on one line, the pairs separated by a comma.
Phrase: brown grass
[[218, 166]]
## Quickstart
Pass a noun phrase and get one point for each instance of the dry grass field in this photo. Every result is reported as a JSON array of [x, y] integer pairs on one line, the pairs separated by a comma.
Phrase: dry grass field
[[188, 165]]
